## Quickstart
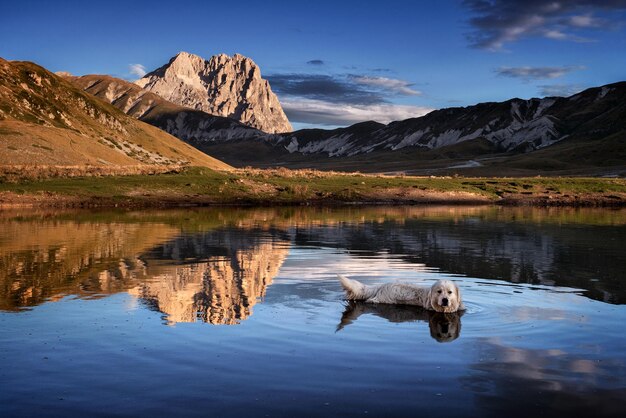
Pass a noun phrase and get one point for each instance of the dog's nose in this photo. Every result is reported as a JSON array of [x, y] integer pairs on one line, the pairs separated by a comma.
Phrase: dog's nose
[[444, 301]]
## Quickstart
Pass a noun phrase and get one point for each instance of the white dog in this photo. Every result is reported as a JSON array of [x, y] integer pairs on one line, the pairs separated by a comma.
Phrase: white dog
[[442, 296]]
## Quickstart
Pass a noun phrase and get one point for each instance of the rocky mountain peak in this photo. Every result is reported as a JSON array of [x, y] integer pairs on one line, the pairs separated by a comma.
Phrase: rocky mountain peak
[[223, 86], [185, 59]]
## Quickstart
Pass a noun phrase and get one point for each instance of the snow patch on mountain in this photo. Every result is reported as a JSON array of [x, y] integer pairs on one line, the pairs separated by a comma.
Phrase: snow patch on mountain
[[292, 146], [541, 131], [603, 92], [409, 140], [333, 146]]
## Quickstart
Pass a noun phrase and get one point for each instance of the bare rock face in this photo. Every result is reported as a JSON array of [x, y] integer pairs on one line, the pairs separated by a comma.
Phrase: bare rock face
[[222, 86]]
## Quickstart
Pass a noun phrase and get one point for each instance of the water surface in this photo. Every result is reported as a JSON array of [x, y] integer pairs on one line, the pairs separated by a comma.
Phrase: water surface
[[235, 312]]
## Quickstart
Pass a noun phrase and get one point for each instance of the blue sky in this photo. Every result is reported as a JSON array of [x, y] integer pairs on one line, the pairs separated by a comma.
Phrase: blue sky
[[336, 64]]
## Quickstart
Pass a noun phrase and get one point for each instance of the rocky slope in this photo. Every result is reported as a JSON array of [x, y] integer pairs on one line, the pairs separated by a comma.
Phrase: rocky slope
[[46, 120], [514, 125], [192, 126], [222, 86]]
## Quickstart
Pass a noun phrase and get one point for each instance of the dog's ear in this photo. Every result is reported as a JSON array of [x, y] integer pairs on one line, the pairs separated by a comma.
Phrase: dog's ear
[[459, 300], [429, 299]]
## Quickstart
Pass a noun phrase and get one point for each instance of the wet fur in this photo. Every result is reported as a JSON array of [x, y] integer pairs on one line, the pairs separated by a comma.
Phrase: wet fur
[[407, 294]]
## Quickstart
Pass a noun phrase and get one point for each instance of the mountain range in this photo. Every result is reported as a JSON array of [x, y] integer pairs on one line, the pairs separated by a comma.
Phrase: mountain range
[[223, 107], [582, 133], [515, 125]]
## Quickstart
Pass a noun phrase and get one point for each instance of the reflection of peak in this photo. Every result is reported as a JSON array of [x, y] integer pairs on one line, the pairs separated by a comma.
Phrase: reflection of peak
[[221, 290]]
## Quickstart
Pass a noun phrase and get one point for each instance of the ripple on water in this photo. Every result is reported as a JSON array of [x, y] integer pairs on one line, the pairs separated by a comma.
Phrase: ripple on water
[[501, 309], [495, 308]]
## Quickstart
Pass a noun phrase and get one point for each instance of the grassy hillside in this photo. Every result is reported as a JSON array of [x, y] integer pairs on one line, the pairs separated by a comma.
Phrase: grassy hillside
[[46, 120]]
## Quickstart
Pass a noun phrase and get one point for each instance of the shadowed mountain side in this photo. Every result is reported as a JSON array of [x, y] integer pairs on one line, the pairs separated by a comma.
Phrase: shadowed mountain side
[[515, 125], [477, 157], [46, 120]]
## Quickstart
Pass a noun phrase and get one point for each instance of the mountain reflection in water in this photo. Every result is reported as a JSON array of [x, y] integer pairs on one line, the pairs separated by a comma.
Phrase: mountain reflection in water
[[215, 276], [214, 264], [221, 289]]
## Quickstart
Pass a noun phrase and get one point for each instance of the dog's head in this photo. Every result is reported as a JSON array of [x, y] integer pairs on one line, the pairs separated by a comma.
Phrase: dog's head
[[445, 327], [444, 296]]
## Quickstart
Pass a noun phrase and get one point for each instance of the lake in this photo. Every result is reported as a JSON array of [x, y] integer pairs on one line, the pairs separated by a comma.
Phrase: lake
[[233, 312]]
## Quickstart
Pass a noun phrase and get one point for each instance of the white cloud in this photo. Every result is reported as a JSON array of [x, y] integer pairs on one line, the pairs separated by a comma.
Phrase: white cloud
[[321, 112], [391, 84], [556, 34], [586, 21], [560, 90], [137, 69], [497, 22], [537, 73]]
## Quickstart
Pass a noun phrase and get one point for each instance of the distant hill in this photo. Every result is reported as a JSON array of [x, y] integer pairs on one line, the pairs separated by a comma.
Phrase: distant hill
[[45, 120], [515, 125]]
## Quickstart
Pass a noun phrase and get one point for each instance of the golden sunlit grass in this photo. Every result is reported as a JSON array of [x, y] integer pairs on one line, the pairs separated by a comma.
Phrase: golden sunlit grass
[[168, 185], [16, 173], [287, 173]]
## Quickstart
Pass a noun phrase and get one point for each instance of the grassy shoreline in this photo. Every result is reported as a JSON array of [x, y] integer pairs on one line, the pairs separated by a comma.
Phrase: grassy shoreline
[[195, 186]]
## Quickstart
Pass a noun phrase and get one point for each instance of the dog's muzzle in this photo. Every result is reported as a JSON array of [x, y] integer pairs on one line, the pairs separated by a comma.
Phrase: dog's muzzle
[[444, 302]]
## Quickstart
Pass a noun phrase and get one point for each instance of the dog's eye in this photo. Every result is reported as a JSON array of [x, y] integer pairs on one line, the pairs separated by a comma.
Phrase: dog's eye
[[449, 292], [439, 291]]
